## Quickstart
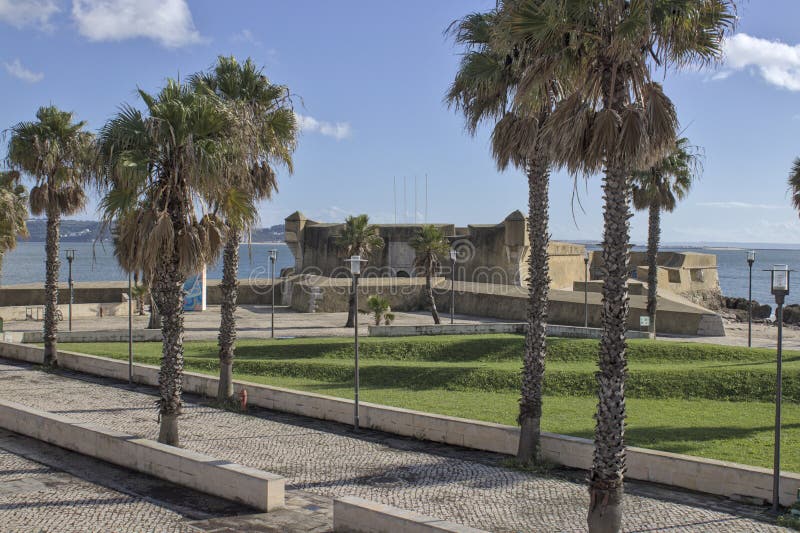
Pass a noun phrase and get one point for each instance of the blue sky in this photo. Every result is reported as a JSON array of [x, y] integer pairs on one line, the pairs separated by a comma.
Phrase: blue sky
[[369, 79]]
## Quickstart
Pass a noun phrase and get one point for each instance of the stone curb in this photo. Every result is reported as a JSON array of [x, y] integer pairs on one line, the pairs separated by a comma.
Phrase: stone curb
[[258, 489]]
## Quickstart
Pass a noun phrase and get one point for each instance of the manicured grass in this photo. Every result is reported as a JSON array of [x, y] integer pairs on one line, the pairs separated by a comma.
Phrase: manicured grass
[[491, 363], [676, 391]]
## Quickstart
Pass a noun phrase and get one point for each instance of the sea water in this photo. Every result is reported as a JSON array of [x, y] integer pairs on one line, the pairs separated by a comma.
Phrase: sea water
[[96, 262]]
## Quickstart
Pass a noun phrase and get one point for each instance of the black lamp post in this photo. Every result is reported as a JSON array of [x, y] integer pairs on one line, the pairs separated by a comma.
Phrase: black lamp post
[[130, 329], [273, 258], [586, 289], [355, 269], [751, 258], [779, 276], [70, 258], [453, 256]]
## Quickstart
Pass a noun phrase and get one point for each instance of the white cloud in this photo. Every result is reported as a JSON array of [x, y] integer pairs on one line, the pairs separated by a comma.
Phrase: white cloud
[[246, 36], [741, 205], [168, 22], [16, 69], [22, 13], [776, 62], [338, 130]]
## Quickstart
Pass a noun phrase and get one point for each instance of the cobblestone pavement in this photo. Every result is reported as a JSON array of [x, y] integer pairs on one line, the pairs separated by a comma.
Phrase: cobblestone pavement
[[37, 497], [326, 459]]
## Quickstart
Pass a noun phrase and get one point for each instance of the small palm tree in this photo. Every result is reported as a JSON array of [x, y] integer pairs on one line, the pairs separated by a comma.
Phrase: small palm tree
[[358, 237], [13, 212], [381, 311], [160, 168], [58, 154], [658, 189], [615, 119], [429, 243], [264, 134]]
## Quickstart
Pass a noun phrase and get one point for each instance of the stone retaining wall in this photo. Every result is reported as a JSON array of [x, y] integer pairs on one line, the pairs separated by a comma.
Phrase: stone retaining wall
[[685, 471], [258, 489], [357, 515], [553, 330]]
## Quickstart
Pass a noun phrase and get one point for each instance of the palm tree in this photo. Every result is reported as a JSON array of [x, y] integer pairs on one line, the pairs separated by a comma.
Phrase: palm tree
[[615, 120], [59, 155], [265, 134], [161, 167], [429, 243], [381, 311], [658, 189], [486, 89], [13, 212], [358, 237]]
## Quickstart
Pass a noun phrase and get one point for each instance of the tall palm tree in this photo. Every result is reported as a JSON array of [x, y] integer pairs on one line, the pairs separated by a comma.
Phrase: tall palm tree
[[429, 244], [615, 120], [13, 212], [358, 237], [794, 183], [486, 89], [59, 155], [161, 167], [265, 134], [658, 189]]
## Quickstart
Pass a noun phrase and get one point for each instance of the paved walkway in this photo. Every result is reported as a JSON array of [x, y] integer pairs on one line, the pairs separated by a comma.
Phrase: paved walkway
[[328, 460], [253, 322], [36, 494]]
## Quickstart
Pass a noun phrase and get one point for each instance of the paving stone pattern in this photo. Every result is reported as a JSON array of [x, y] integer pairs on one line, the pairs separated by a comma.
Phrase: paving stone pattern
[[327, 459], [35, 497]]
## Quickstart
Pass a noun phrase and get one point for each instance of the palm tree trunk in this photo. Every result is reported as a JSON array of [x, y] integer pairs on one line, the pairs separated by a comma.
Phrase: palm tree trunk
[[653, 240], [530, 404], [351, 310], [227, 325], [608, 466], [52, 265], [169, 284], [431, 299], [155, 313]]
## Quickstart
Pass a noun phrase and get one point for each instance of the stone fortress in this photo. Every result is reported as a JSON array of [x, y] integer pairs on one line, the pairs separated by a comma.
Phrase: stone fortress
[[490, 275]]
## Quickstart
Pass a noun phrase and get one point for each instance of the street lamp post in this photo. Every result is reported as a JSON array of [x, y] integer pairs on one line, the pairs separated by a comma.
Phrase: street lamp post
[[453, 256], [70, 259], [586, 289], [355, 269], [751, 258], [779, 276], [130, 329], [273, 258]]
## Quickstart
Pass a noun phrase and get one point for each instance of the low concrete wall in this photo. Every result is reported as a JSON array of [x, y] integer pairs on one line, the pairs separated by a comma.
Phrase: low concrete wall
[[685, 471], [553, 330], [111, 335], [357, 515], [251, 292], [261, 490], [22, 312]]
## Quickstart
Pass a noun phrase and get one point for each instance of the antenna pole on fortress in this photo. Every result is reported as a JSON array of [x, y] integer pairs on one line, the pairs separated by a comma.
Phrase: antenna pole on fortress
[[779, 277], [273, 258], [751, 258]]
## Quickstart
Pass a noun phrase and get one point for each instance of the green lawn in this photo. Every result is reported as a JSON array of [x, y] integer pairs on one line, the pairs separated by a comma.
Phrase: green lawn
[[706, 400]]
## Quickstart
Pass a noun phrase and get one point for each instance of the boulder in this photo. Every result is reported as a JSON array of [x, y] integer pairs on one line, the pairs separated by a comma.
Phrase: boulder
[[791, 314]]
